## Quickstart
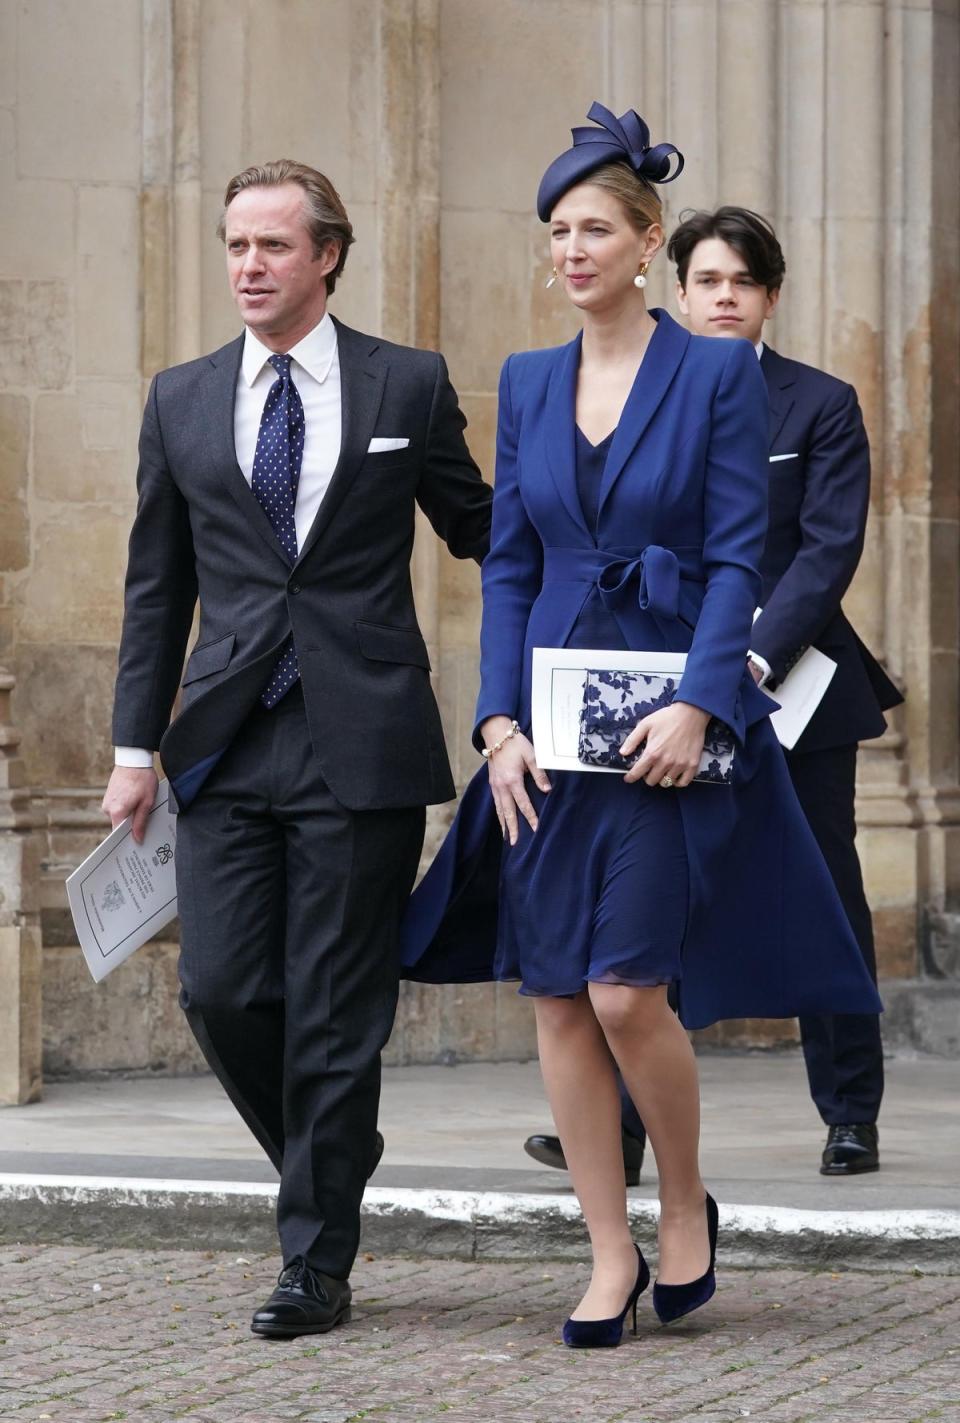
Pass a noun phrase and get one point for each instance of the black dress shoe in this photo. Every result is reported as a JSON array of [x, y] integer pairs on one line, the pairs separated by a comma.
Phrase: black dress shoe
[[548, 1151], [306, 1301], [851, 1147], [377, 1153]]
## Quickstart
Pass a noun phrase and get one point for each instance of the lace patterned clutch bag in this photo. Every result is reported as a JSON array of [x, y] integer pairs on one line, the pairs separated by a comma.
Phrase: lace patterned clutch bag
[[613, 703]]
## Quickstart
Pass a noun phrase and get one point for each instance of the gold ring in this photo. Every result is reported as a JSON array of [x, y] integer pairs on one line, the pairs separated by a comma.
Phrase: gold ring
[[667, 782]]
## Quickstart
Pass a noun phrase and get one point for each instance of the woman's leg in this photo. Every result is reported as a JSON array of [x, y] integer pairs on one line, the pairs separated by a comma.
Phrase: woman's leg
[[580, 1079], [654, 1055]]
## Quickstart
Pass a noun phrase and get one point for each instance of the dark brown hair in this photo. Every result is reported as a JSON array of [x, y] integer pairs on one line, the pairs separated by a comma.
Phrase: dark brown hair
[[326, 217], [746, 232]]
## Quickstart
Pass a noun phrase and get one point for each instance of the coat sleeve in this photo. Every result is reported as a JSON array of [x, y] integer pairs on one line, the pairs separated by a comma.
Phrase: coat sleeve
[[159, 597], [512, 576], [833, 521], [734, 522], [451, 491]]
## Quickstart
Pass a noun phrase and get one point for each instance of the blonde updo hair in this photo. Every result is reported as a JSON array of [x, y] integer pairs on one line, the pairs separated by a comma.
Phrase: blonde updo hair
[[638, 199]]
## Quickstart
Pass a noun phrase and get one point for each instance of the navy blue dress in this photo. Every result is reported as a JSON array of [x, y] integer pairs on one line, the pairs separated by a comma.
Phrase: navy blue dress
[[599, 892], [673, 559]]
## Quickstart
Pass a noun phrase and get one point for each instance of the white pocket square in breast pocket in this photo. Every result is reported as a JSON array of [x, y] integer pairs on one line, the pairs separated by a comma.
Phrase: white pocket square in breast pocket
[[774, 458], [378, 445]]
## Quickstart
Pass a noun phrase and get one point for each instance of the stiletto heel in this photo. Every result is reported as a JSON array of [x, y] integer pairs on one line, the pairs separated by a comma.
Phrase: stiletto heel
[[673, 1301], [607, 1333]]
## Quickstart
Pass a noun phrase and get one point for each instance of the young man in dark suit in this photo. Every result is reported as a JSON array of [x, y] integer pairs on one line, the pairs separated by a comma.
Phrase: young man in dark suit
[[278, 485], [730, 269]]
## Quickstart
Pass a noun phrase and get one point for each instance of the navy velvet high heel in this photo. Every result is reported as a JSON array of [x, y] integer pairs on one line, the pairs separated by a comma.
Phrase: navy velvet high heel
[[607, 1333], [673, 1301]]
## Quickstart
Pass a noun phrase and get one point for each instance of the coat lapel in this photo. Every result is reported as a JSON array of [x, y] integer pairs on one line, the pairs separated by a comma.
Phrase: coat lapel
[[780, 376], [666, 350], [559, 416], [363, 371], [225, 371]]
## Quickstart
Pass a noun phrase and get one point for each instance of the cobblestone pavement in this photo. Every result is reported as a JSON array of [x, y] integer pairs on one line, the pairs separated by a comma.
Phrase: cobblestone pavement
[[116, 1334]]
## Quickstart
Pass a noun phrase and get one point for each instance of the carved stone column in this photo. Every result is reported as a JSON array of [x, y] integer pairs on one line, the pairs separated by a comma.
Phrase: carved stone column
[[408, 231], [408, 221], [21, 1075]]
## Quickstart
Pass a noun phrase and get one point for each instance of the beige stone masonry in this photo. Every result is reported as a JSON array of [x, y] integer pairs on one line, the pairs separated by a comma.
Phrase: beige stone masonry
[[21, 992], [120, 123]]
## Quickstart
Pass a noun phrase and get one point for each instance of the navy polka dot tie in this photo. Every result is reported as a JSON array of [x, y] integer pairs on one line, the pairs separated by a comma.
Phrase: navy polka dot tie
[[276, 474]]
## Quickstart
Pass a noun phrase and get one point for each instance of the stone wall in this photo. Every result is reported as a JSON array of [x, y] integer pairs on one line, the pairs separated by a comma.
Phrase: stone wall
[[120, 121]]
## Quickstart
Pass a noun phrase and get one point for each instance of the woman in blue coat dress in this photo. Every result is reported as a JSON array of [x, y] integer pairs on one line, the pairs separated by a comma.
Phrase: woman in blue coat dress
[[630, 512]]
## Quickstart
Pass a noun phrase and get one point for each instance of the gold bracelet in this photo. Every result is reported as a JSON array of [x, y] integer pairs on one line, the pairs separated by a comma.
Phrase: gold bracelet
[[488, 751]]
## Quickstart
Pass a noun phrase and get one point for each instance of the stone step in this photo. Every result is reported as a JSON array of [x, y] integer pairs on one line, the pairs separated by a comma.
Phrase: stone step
[[463, 1225], [922, 1015]]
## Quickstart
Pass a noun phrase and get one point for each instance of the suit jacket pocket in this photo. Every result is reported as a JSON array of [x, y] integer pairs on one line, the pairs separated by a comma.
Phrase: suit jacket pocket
[[381, 643], [209, 657]]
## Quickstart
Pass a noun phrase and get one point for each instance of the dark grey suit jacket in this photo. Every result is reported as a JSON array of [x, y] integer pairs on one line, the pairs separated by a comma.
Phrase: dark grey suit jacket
[[819, 495], [200, 532]]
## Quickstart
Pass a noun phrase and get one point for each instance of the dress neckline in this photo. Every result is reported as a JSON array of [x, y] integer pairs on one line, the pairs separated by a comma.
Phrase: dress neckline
[[600, 443]]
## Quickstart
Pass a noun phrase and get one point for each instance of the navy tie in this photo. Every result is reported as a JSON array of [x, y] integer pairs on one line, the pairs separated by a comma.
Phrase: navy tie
[[276, 475]]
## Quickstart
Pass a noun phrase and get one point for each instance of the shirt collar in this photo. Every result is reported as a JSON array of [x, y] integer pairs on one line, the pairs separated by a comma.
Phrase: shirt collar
[[759, 350], [315, 353]]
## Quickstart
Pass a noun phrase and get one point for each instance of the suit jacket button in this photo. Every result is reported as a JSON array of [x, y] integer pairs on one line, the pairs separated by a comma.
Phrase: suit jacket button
[[294, 588]]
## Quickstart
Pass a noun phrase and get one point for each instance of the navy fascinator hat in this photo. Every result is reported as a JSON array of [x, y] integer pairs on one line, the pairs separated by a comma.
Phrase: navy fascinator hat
[[622, 140]]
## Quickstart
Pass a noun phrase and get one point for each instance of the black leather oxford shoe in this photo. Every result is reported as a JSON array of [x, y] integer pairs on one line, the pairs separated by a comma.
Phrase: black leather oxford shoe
[[851, 1147], [548, 1151], [306, 1301]]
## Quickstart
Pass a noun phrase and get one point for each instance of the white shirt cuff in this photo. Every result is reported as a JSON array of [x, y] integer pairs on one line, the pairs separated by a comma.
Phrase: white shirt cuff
[[764, 666], [133, 756]]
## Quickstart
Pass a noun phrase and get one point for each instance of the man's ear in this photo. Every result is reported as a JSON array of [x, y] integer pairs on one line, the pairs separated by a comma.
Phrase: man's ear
[[682, 299], [772, 300], [329, 254]]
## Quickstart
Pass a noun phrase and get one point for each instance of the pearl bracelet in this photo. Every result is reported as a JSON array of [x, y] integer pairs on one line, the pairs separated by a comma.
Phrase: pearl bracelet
[[488, 751]]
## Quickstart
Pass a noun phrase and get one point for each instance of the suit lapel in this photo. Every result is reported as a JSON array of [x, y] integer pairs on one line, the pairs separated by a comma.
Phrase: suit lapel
[[559, 416], [224, 373], [363, 371], [780, 376], [666, 350]]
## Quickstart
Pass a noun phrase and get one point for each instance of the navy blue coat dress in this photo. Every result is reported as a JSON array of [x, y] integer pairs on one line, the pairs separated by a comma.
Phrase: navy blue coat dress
[[674, 556]]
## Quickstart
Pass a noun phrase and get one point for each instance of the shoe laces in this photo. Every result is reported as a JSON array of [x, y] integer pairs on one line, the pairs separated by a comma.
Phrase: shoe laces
[[291, 1277], [299, 1276], [842, 1134]]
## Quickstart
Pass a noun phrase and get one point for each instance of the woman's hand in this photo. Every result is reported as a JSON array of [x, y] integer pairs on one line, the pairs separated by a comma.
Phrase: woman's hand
[[507, 769], [674, 737]]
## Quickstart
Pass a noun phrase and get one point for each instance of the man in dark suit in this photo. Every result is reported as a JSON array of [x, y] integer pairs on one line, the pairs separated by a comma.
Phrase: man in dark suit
[[730, 269], [278, 484]]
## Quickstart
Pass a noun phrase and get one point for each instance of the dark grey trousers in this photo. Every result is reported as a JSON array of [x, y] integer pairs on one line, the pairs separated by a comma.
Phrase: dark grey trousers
[[289, 912]]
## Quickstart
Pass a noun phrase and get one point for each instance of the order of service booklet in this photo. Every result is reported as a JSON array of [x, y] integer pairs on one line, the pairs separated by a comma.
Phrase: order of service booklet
[[124, 893], [559, 674]]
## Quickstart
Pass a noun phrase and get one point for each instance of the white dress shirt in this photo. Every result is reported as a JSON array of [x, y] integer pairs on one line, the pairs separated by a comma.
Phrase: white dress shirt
[[315, 371]]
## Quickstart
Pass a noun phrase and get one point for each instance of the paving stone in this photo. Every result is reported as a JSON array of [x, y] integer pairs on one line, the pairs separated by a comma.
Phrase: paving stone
[[167, 1337]]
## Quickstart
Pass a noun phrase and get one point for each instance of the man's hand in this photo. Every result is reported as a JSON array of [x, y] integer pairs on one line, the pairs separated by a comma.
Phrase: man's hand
[[755, 670], [131, 790]]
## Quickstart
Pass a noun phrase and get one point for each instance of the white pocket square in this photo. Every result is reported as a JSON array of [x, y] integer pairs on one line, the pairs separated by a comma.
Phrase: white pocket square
[[378, 445], [774, 458]]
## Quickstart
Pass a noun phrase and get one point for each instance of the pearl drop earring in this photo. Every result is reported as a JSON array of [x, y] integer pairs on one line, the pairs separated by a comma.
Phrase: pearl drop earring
[[552, 278], [640, 280]]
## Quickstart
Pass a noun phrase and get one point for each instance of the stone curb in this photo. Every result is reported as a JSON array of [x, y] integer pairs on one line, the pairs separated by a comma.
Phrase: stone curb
[[462, 1225]]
